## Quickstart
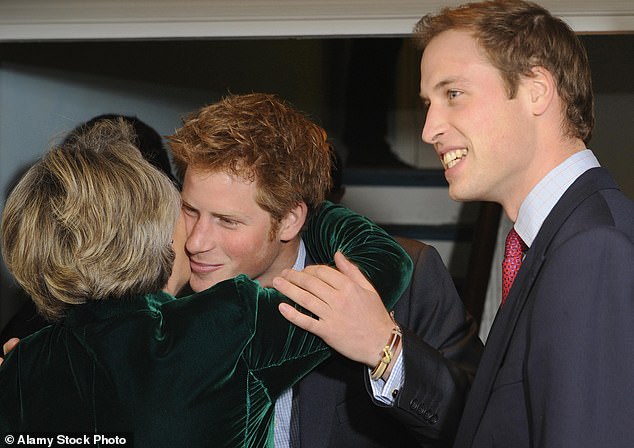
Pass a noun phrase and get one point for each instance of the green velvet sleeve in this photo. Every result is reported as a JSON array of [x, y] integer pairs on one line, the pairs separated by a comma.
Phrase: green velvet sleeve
[[384, 262], [280, 353]]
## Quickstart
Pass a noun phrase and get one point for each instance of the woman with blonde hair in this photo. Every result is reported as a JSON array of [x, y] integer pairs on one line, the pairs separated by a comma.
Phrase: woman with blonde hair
[[92, 233]]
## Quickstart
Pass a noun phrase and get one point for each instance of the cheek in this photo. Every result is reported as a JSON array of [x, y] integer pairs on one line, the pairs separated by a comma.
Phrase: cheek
[[182, 259], [181, 270], [239, 248], [242, 246], [490, 133], [252, 254], [189, 222]]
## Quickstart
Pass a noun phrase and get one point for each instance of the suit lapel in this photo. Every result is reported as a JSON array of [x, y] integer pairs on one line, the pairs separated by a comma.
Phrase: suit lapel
[[318, 393], [506, 319], [493, 355]]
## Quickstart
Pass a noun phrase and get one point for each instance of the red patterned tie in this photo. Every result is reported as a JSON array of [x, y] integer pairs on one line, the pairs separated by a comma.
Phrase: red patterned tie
[[513, 250]]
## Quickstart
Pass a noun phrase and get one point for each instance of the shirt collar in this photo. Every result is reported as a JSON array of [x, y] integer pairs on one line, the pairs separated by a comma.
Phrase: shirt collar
[[300, 261], [545, 195]]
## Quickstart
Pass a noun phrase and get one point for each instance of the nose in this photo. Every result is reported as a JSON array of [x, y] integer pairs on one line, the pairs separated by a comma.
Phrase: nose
[[433, 127], [200, 236]]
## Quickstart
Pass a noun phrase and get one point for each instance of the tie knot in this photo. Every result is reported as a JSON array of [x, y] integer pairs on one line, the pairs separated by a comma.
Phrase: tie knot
[[514, 245]]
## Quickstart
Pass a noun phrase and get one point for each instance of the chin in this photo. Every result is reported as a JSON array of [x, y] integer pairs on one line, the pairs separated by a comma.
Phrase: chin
[[456, 196], [459, 194], [198, 284]]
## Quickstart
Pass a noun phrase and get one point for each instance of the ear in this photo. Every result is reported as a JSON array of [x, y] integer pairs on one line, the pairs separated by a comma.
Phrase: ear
[[542, 90], [291, 225]]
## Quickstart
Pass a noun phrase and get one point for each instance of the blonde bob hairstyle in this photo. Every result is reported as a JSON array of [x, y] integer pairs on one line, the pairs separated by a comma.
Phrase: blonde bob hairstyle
[[91, 220]]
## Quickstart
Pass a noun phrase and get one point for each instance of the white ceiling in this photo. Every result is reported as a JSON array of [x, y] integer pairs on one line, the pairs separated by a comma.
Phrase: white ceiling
[[142, 19]]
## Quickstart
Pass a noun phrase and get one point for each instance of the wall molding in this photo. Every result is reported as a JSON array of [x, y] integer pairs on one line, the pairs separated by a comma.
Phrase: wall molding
[[170, 19]]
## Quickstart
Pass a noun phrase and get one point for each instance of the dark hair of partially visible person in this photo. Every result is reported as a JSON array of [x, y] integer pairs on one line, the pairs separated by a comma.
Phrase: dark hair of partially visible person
[[336, 192], [148, 140]]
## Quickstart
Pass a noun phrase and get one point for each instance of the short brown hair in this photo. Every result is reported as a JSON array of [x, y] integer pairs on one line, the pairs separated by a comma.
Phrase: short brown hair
[[518, 36], [91, 220], [261, 138]]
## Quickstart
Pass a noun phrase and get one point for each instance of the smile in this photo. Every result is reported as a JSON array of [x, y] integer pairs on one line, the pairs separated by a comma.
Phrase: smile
[[449, 159], [203, 268]]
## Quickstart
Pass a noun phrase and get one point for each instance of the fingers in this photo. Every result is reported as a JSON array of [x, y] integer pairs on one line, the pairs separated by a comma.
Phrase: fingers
[[8, 346], [301, 297], [341, 278], [303, 289], [321, 289], [328, 278], [298, 318], [352, 271]]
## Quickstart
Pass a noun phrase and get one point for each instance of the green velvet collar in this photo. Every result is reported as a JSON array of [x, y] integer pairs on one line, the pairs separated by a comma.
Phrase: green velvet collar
[[100, 310]]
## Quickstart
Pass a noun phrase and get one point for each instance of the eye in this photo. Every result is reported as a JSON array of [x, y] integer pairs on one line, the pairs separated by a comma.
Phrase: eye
[[228, 222], [453, 94], [188, 210]]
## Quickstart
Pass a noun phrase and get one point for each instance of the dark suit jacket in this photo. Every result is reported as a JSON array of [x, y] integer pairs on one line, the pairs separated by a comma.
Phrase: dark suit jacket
[[336, 410], [558, 366]]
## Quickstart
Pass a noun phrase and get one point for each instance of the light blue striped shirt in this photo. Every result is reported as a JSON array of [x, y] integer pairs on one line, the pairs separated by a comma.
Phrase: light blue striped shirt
[[545, 195], [382, 389], [284, 402]]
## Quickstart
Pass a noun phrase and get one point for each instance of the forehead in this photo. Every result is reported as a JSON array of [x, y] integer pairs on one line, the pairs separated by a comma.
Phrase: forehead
[[452, 54], [198, 178], [218, 187]]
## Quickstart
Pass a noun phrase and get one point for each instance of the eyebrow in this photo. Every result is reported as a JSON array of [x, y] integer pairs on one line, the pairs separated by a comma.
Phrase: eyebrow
[[230, 216], [184, 203], [442, 84]]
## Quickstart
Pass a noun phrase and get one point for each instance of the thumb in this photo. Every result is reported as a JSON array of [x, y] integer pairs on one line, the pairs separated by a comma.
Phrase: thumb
[[9, 345], [351, 271]]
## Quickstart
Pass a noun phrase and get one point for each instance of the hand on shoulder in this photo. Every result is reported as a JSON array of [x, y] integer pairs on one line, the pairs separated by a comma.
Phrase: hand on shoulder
[[8, 346]]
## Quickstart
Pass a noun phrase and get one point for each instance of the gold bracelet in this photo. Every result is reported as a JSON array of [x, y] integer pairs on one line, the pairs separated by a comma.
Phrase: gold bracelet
[[388, 353]]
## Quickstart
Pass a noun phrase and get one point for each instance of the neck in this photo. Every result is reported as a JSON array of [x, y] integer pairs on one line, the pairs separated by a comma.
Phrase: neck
[[285, 259], [550, 156]]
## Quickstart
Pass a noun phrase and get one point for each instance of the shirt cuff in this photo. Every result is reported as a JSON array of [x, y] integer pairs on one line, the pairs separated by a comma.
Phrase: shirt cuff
[[384, 391]]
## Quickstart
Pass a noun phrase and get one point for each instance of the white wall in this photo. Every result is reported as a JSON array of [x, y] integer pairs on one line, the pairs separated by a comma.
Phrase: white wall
[[99, 19]]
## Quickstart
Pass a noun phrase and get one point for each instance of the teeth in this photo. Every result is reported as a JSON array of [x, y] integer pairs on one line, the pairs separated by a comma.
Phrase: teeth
[[450, 158]]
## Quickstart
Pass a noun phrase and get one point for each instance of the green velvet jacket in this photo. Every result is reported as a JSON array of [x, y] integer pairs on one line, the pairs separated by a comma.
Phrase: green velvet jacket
[[199, 371]]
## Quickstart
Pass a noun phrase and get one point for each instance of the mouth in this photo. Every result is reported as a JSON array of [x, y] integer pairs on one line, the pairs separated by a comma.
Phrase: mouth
[[203, 268], [451, 158]]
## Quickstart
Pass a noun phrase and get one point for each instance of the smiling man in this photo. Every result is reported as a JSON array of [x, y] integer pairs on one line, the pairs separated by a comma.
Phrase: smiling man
[[254, 168], [509, 112], [230, 234], [479, 127]]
